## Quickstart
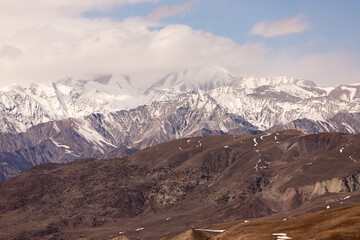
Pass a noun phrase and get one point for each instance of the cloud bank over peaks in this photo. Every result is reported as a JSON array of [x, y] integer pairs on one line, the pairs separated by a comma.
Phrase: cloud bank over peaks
[[50, 47], [51, 40]]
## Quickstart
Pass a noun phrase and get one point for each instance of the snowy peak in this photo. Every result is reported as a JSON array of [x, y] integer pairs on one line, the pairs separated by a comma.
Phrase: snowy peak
[[279, 86], [209, 78], [107, 84], [252, 82], [25, 106], [263, 101], [186, 80], [346, 92]]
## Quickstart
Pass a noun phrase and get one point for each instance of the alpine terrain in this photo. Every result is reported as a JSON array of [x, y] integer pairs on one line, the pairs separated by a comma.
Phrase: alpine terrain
[[73, 119]]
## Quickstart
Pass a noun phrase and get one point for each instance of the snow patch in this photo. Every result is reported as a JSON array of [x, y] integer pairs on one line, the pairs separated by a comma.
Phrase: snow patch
[[56, 127], [352, 158], [281, 236], [223, 127], [347, 197], [93, 136], [255, 142], [210, 230], [352, 92], [59, 145], [262, 137]]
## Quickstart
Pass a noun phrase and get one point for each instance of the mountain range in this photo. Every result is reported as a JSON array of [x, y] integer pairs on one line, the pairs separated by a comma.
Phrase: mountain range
[[113, 116]]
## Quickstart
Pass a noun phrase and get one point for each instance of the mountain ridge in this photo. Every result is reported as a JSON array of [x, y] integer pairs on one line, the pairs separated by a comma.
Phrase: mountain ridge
[[112, 112]]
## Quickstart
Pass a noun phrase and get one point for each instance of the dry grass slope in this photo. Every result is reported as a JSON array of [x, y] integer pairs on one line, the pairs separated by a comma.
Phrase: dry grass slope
[[337, 224]]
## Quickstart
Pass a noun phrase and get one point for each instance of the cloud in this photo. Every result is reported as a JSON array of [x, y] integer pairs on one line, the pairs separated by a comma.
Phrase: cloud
[[330, 68], [55, 44], [166, 11], [9, 52], [46, 43], [326, 69], [282, 27], [65, 7]]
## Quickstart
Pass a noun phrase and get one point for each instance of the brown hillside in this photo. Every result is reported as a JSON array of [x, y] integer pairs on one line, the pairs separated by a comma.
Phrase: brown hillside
[[183, 184]]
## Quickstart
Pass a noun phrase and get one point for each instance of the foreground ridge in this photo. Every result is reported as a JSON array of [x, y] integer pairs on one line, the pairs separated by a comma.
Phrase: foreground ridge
[[342, 223], [184, 184]]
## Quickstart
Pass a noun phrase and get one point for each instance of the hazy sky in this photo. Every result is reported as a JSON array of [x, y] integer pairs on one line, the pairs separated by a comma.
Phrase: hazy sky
[[46, 40]]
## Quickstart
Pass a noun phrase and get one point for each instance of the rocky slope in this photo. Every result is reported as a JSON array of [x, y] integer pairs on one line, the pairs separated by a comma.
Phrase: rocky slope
[[194, 114], [183, 184]]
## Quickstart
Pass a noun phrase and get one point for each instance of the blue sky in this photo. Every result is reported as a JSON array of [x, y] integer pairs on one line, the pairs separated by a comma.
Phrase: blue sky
[[333, 24], [315, 40]]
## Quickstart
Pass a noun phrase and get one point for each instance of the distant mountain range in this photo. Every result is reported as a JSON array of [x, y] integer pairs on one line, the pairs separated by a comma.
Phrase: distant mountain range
[[73, 119], [190, 183]]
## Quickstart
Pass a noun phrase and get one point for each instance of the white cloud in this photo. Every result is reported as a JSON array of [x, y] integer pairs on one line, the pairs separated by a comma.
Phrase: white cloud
[[66, 7], [166, 11], [282, 27], [9, 52], [326, 69], [44, 43], [329, 69], [58, 45]]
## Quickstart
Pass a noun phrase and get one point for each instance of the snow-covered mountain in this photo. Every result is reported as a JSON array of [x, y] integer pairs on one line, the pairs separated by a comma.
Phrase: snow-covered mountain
[[71, 119], [22, 107]]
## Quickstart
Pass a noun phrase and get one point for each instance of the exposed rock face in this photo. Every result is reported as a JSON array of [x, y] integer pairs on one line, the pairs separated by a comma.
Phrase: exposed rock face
[[194, 181], [57, 142]]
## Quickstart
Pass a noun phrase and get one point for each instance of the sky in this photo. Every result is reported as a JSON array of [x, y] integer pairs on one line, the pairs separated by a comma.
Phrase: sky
[[49, 40]]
